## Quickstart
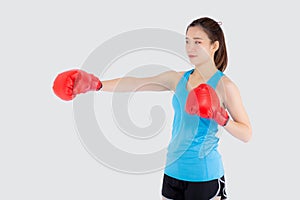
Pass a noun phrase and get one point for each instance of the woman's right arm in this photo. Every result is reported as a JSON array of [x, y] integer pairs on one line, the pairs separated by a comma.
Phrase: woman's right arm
[[161, 82]]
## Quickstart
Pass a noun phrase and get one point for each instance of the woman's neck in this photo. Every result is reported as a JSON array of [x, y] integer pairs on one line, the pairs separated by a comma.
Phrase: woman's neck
[[204, 71]]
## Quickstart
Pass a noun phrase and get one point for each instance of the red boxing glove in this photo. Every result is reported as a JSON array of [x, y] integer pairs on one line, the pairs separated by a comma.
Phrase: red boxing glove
[[204, 102], [70, 83]]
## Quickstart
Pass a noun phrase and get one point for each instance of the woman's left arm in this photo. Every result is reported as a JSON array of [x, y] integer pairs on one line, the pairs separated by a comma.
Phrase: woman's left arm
[[239, 125]]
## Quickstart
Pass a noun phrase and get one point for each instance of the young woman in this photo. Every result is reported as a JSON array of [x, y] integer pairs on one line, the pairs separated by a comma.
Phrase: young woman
[[194, 168]]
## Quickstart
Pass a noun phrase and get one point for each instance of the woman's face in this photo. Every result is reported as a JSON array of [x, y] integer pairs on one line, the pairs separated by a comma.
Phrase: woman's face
[[199, 47]]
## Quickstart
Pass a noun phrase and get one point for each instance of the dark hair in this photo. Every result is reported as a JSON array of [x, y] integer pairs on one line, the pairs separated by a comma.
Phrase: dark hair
[[214, 33]]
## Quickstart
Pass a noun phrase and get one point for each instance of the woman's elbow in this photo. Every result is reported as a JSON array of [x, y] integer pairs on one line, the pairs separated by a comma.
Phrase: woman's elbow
[[248, 135]]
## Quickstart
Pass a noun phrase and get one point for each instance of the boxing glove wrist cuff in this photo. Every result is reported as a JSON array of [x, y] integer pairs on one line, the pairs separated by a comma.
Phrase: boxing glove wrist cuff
[[226, 122], [99, 85]]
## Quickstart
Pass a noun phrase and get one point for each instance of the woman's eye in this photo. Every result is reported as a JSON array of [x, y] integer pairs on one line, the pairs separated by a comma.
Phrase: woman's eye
[[196, 42]]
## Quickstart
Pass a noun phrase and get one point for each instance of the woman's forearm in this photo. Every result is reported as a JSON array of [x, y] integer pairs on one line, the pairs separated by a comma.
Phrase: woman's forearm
[[239, 130], [124, 84]]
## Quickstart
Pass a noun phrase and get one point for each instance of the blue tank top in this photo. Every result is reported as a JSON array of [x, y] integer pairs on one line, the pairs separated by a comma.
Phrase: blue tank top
[[192, 151]]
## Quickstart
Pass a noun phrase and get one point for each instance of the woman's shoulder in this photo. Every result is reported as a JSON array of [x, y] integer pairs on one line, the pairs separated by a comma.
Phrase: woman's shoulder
[[181, 73], [227, 83], [227, 87], [175, 74], [174, 77]]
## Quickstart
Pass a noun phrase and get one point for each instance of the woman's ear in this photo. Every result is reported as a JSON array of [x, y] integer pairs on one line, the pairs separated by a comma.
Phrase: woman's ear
[[215, 46]]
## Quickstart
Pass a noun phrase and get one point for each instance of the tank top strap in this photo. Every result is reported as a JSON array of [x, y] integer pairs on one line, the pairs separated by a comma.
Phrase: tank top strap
[[185, 77], [187, 74], [213, 81]]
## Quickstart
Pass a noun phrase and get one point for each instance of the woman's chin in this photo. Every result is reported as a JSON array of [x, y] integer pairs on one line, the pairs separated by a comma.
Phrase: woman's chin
[[194, 63]]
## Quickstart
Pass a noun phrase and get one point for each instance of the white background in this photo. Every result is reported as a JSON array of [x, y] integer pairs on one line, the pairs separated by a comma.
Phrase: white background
[[41, 154]]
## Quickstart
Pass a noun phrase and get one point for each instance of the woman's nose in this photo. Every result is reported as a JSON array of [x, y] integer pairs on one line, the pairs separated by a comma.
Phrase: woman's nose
[[190, 47]]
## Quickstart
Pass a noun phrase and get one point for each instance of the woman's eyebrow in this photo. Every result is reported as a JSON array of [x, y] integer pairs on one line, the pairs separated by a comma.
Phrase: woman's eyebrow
[[195, 38]]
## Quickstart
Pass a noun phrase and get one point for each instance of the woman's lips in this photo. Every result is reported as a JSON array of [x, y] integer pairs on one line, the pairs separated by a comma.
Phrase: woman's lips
[[192, 56]]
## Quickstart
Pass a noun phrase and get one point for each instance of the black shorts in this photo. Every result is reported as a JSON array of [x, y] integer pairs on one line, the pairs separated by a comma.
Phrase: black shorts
[[184, 190]]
